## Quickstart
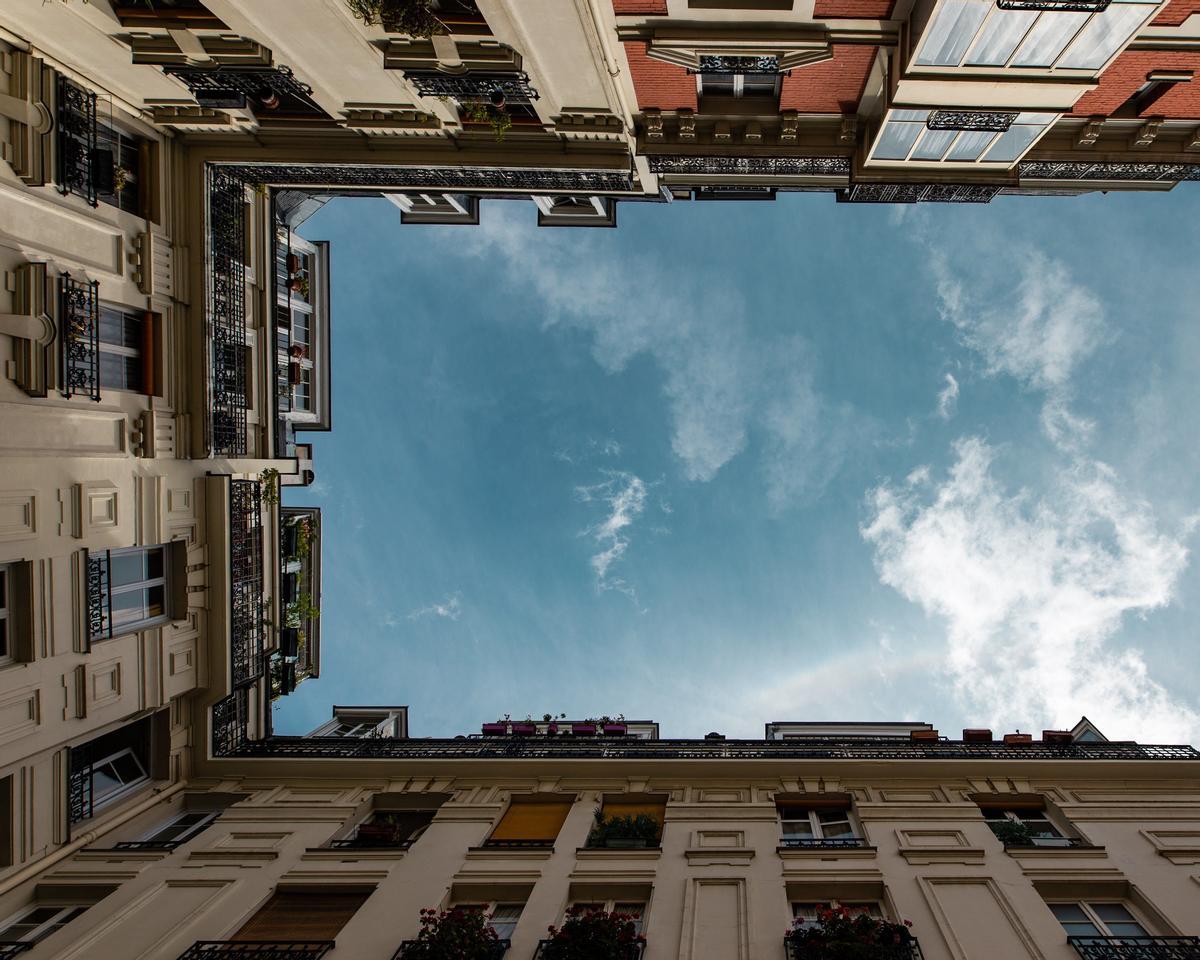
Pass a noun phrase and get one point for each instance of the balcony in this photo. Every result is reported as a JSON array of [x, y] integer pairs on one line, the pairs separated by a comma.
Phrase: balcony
[[267, 91], [230, 720], [246, 581], [375, 836], [889, 951], [227, 313], [498, 89], [1052, 843], [416, 950], [630, 951], [257, 950], [517, 844], [76, 145], [10, 948], [1136, 948], [823, 843], [79, 336]]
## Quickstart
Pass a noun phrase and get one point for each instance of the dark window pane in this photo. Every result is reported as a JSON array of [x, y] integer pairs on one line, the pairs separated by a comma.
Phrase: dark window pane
[[127, 568], [718, 84]]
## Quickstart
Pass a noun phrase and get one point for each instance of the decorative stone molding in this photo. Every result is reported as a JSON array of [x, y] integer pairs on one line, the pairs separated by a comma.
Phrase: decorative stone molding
[[687, 125], [789, 123], [390, 121], [1090, 133], [32, 327], [30, 150], [1146, 135]]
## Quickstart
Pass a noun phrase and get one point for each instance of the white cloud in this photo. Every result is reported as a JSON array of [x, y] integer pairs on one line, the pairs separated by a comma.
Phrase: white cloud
[[624, 496], [723, 383], [1032, 589], [449, 609], [947, 401]]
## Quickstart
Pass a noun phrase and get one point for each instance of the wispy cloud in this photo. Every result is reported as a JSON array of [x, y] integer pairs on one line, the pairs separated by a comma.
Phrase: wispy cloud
[[449, 609], [947, 401], [1032, 588], [624, 497]]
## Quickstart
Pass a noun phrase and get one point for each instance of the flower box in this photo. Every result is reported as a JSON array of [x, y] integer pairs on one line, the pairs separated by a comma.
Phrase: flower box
[[495, 729], [524, 729], [615, 729], [583, 729], [551, 729]]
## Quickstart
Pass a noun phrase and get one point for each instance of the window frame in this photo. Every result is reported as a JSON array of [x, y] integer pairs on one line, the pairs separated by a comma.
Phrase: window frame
[[816, 826], [125, 787], [739, 83], [112, 630], [1033, 814], [612, 905], [489, 908], [47, 927], [294, 304], [873, 908], [1086, 905], [6, 618], [120, 350], [207, 818]]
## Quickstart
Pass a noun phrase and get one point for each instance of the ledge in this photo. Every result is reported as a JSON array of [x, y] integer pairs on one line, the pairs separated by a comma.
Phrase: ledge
[[709, 856], [952, 853], [826, 853], [112, 855], [351, 854], [1051, 853], [618, 853], [509, 853], [251, 858]]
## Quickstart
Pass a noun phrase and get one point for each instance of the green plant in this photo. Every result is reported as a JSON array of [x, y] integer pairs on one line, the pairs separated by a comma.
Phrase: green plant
[[592, 935], [303, 539], [301, 610], [413, 17], [639, 827], [1012, 833], [454, 934], [269, 479], [497, 117], [304, 287], [121, 177], [836, 934]]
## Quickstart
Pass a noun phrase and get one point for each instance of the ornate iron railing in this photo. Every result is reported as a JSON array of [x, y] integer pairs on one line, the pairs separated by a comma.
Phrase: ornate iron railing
[[264, 89], [80, 796], [76, 143], [823, 843], [1055, 6], [1136, 948], [79, 336], [629, 748], [257, 950], [148, 844], [919, 193], [1102, 170], [246, 580], [631, 951], [523, 180], [1049, 843], [415, 950], [743, 65], [474, 87], [227, 311], [369, 843], [982, 120], [230, 717], [519, 844], [890, 951], [99, 596], [751, 166]]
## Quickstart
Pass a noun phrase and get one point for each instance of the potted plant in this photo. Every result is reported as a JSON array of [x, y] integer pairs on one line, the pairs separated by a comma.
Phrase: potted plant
[[498, 729], [293, 263], [454, 934], [294, 282], [838, 935], [497, 117], [593, 935], [630, 833], [1013, 833]]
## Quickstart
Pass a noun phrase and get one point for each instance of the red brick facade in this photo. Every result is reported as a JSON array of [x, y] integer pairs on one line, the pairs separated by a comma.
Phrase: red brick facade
[[858, 9], [651, 7], [1176, 12], [658, 84], [834, 86], [1128, 72]]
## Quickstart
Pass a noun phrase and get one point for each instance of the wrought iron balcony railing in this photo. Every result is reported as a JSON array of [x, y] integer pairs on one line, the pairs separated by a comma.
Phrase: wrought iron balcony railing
[[246, 580], [415, 950], [79, 336], [519, 844], [630, 748], [631, 951], [230, 718], [76, 143], [919, 193], [737, 65], [80, 795], [1051, 843], [257, 950], [911, 950], [823, 843], [265, 90], [227, 311], [449, 179], [148, 844], [511, 88], [992, 121], [1136, 948], [1055, 6], [99, 596]]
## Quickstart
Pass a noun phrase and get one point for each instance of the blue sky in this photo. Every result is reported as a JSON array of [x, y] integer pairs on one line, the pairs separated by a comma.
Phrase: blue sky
[[739, 462]]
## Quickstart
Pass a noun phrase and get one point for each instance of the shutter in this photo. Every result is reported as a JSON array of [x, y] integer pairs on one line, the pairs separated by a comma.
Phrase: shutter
[[524, 820], [625, 808], [301, 916]]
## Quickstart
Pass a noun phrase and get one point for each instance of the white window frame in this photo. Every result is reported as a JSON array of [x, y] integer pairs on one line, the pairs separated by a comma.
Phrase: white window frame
[[284, 300], [120, 350], [1013, 815], [903, 118], [6, 639], [815, 825], [47, 927], [636, 908], [119, 630], [489, 909], [208, 816], [123, 788], [739, 81], [1094, 919]]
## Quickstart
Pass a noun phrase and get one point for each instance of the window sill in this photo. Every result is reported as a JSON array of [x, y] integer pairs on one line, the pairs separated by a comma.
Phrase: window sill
[[113, 855], [510, 853], [826, 853], [621, 853], [351, 854], [714, 856], [1042, 853]]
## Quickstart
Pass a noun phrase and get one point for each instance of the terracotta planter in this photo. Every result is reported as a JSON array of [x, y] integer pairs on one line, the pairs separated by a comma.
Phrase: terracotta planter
[[551, 729]]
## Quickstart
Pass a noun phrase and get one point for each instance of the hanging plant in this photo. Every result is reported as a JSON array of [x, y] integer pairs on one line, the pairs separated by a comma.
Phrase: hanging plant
[[497, 118], [454, 934], [412, 17], [636, 831], [269, 479]]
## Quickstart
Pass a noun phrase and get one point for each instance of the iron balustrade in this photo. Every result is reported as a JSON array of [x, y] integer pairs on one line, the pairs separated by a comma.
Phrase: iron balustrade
[[1103, 170], [257, 950], [230, 718], [750, 166], [910, 950], [628, 951], [368, 843], [1055, 6], [628, 748], [416, 950], [227, 312], [79, 336], [1136, 948], [474, 87], [523, 180], [737, 65], [75, 161], [148, 844], [266, 90], [99, 595], [10, 948], [518, 844], [80, 793], [823, 843], [1050, 843], [919, 193], [990, 121], [246, 626]]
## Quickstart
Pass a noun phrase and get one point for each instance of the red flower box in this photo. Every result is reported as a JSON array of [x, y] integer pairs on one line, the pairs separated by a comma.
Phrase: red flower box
[[495, 729]]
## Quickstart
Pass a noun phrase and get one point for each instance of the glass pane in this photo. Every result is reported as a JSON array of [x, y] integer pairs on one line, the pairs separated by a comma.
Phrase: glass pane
[[934, 144], [105, 781], [1130, 929], [155, 564], [3, 588], [1000, 36], [1046, 40], [1104, 36], [120, 328], [953, 28], [120, 372], [128, 608], [797, 829], [1012, 144], [127, 568], [718, 84], [1041, 827], [128, 768], [805, 911], [896, 140], [504, 919], [1111, 912], [967, 149], [1081, 929], [3, 637], [156, 602]]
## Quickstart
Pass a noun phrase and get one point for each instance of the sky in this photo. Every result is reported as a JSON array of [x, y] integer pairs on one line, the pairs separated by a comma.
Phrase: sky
[[733, 463]]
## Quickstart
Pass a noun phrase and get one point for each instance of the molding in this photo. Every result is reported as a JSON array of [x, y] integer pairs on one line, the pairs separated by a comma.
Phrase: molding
[[112, 855], [509, 853], [604, 853], [1037, 854], [247, 858], [351, 855], [929, 887], [821, 853], [713, 856], [950, 854]]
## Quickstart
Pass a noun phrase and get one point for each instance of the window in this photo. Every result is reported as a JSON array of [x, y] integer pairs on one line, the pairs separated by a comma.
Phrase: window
[[738, 77], [1024, 826], [175, 831], [122, 342], [502, 917], [629, 820], [389, 828], [6, 652], [113, 765], [907, 137], [119, 168], [39, 921], [817, 827], [292, 915], [127, 590], [529, 823], [634, 909], [810, 913], [1095, 920], [116, 774]]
